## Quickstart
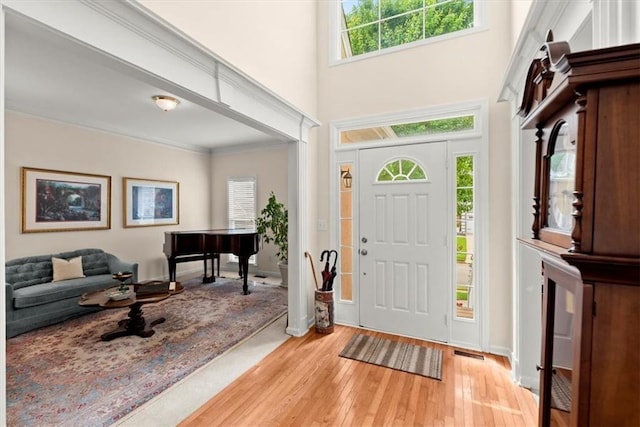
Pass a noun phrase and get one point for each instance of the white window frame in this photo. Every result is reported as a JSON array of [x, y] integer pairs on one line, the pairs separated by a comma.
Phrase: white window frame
[[231, 221], [335, 36]]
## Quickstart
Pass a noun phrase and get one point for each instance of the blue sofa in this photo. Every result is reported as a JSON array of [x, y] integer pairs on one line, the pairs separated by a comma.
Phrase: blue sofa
[[33, 300]]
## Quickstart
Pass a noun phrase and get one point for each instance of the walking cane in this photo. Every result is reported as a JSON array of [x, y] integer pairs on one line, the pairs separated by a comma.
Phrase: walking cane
[[315, 279]]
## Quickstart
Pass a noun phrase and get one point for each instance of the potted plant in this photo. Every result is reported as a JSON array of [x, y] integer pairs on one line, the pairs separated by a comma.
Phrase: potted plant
[[273, 226]]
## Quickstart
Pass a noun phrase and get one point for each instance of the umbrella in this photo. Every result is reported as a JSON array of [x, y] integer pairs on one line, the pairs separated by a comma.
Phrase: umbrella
[[326, 275], [333, 270], [315, 279]]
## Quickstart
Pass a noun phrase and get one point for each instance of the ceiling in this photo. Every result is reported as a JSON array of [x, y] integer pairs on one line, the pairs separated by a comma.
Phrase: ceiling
[[54, 77]]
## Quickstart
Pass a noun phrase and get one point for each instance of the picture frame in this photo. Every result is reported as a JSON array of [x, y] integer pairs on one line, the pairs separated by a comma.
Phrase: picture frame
[[54, 200], [150, 202]]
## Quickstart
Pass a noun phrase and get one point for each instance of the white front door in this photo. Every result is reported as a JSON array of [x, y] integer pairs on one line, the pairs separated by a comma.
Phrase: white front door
[[404, 263]]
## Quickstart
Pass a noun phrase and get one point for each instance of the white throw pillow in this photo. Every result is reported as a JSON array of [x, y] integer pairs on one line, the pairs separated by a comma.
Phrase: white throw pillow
[[64, 270]]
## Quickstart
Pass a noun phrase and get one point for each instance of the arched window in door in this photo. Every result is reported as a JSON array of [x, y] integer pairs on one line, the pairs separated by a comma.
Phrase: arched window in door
[[402, 170]]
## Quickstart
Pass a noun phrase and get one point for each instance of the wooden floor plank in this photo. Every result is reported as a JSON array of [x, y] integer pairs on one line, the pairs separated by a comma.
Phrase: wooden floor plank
[[305, 383]]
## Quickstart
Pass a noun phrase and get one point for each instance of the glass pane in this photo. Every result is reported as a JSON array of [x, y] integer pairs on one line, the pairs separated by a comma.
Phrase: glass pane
[[406, 166], [562, 351], [465, 200], [384, 176], [346, 234], [358, 12], [562, 182], [464, 171], [427, 127], [364, 39], [392, 8], [448, 17], [401, 30], [393, 167], [465, 238], [418, 173]]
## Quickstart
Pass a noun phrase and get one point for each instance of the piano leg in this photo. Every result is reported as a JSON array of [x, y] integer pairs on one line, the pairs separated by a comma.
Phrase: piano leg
[[172, 269], [243, 264], [205, 278]]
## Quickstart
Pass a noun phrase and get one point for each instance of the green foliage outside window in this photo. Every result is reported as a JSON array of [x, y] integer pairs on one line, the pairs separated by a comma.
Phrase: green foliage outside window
[[450, 124], [401, 170], [464, 184], [377, 24]]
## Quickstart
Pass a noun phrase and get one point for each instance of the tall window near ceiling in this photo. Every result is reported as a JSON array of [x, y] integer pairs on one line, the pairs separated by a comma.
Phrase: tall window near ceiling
[[374, 25], [241, 197], [464, 244]]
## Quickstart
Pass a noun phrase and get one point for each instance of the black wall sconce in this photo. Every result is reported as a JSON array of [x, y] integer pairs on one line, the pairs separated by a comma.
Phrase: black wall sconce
[[347, 179]]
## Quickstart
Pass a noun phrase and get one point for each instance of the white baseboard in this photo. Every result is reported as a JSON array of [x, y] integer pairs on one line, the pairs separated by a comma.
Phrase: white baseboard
[[501, 351]]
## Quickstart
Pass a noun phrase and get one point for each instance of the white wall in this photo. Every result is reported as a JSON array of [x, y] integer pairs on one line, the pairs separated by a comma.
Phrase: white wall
[[269, 167], [274, 42], [519, 11], [34, 142], [451, 71]]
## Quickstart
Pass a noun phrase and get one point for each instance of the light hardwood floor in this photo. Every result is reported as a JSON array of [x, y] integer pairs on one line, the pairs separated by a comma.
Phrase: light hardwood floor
[[305, 383]]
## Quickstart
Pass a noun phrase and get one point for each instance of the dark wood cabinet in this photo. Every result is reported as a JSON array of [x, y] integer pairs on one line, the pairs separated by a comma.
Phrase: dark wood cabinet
[[586, 109]]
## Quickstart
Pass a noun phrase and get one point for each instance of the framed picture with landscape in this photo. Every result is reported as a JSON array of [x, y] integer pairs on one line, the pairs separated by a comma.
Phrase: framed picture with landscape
[[149, 202], [64, 201]]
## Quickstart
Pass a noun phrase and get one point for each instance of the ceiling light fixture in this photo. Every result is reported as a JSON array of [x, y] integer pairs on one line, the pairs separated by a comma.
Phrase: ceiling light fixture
[[166, 103]]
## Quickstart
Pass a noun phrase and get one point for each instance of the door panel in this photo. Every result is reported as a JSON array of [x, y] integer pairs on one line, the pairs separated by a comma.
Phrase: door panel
[[404, 267]]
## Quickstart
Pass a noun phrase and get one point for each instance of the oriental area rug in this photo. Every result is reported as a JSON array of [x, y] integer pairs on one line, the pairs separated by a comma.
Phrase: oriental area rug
[[425, 361], [66, 375]]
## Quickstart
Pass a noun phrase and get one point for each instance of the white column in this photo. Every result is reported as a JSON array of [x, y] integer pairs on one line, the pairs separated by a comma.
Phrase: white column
[[3, 379], [615, 23], [299, 316]]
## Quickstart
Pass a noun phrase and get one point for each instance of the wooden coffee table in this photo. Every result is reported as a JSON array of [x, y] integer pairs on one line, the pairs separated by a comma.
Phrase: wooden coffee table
[[136, 323]]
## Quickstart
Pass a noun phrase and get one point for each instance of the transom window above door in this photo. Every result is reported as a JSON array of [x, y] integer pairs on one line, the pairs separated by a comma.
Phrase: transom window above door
[[369, 26], [409, 129]]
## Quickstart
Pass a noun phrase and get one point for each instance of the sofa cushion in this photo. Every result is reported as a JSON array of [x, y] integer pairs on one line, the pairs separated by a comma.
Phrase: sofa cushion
[[67, 269], [94, 261], [47, 292], [29, 271]]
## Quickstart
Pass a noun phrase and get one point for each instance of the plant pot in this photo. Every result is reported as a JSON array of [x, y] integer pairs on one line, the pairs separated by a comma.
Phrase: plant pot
[[284, 272]]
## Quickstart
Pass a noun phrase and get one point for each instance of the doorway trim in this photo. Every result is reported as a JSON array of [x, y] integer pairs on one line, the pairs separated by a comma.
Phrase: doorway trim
[[464, 333]]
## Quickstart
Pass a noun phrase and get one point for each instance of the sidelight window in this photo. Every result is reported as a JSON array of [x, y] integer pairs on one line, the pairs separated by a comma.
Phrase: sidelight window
[[465, 237]]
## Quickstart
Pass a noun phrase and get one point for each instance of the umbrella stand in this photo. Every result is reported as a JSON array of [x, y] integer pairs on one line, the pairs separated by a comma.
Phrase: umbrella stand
[[324, 305]]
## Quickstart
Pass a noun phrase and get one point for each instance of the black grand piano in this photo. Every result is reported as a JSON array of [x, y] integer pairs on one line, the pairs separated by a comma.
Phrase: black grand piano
[[184, 246]]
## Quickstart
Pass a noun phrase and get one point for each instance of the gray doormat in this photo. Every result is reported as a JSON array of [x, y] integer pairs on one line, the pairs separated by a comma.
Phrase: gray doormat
[[425, 361], [561, 392]]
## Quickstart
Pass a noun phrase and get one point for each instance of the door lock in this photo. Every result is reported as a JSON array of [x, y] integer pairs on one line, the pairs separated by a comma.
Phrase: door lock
[[364, 240]]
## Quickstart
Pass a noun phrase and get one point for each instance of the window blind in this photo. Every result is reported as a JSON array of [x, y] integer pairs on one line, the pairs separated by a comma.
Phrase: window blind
[[241, 202]]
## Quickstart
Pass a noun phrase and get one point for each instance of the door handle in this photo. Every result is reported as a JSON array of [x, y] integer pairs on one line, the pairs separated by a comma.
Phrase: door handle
[[363, 252]]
